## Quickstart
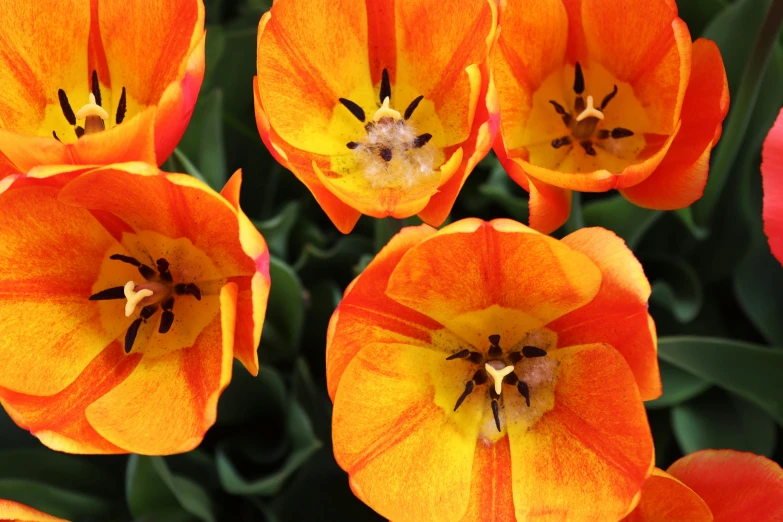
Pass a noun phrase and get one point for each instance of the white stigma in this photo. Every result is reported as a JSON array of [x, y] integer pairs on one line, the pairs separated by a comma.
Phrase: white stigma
[[497, 375], [134, 297], [590, 111], [92, 109]]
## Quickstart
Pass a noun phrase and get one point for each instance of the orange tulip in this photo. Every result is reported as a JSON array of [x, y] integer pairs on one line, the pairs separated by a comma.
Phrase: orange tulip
[[124, 294], [94, 82], [379, 107], [772, 178], [486, 371], [11, 511], [598, 95], [713, 486]]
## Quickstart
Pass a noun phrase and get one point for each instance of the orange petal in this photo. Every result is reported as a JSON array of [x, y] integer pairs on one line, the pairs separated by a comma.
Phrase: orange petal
[[735, 485], [644, 44], [253, 292], [167, 404], [16, 512], [490, 492], [366, 315], [301, 164], [40, 58], [501, 275], [174, 205], [772, 177], [618, 314], [587, 458], [394, 433], [51, 256], [680, 178], [550, 206], [666, 499]]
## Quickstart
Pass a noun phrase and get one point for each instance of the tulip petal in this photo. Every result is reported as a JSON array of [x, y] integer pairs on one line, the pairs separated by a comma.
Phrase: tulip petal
[[395, 398], [680, 178], [491, 496], [618, 314], [16, 512], [597, 431], [495, 289], [301, 164], [735, 485], [155, 414], [301, 84], [44, 49], [550, 206], [666, 499], [772, 178], [366, 315], [44, 291]]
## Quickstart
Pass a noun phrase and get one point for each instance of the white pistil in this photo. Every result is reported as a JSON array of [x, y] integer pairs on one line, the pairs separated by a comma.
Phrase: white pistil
[[92, 109], [386, 112], [497, 375], [134, 297], [590, 111]]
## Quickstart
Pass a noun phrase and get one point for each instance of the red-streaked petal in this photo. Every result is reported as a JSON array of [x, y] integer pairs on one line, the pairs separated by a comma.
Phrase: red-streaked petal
[[772, 178], [666, 499], [550, 206], [15, 512]]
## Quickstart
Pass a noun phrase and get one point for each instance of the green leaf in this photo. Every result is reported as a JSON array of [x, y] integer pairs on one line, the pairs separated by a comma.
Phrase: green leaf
[[276, 230], [212, 155], [153, 491], [56, 501], [215, 47], [751, 371], [698, 13], [757, 284], [675, 286], [626, 219], [286, 305], [722, 420], [304, 444], [686, 216], [247, 397], [678, 386], [187, 165]]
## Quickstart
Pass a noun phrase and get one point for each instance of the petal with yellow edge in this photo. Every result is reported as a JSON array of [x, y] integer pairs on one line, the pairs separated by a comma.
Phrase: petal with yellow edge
[[455, 400], [666, 499], [600, 101], [136, 289], [772, 179], [393, 127], [108, 82], [16, 512]]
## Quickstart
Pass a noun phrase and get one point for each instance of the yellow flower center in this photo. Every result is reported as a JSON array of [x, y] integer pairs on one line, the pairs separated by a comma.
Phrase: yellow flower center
[[94, 117], [393, 154]]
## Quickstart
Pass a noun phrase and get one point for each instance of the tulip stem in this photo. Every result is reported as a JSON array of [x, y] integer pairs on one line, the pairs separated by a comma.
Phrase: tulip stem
[[741, 113], [385, 229]]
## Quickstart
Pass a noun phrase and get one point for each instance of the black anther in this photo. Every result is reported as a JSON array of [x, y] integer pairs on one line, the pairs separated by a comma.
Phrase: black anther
[[608, 98], [357, 111], [147, 272], [619, 132], [603, 134], [462, 354], [525, 391], [130, 335], [494, 339], [117, 292], [579, 80], [79, 132], [468, 388], [192, 289], [163, 270], [511, 379], [422, 140], [54, 133], [96, 87], [122, 107], [386, 154], [558, 108], [412, 107], [515, 357], [168, 304], [475, 357], [588, 146], [480, 377], [495, 351], [66, 107], [385, 86], [166, 320], [495, 413], [561, 142], [352, 145], [533, 351], [125, 259]]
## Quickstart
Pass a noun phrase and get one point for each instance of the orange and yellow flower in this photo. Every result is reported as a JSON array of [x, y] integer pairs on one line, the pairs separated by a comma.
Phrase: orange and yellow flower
[[11, 511], [124, 296], [486, 372], [772, 178], [93, 82], [598, 95], [713, 486], [380, 107]]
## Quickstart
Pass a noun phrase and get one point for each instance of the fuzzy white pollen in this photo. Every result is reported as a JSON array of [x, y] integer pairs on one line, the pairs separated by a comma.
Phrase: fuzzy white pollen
[[395, 155]]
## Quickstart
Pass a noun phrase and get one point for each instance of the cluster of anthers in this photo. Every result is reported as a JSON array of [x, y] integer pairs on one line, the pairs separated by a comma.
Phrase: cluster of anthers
[[393, 153], [500, 368], [93, 114], [158, 292]]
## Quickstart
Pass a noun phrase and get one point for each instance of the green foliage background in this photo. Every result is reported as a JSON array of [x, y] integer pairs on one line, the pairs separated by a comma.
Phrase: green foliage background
[[717, 301]]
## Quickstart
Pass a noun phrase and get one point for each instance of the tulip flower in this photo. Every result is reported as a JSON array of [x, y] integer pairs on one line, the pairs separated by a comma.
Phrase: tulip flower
[[379, 107], [15, 512], [94, 82], [598, 95], [772, 178], [125, 293], [486, 372], [713, 486]]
